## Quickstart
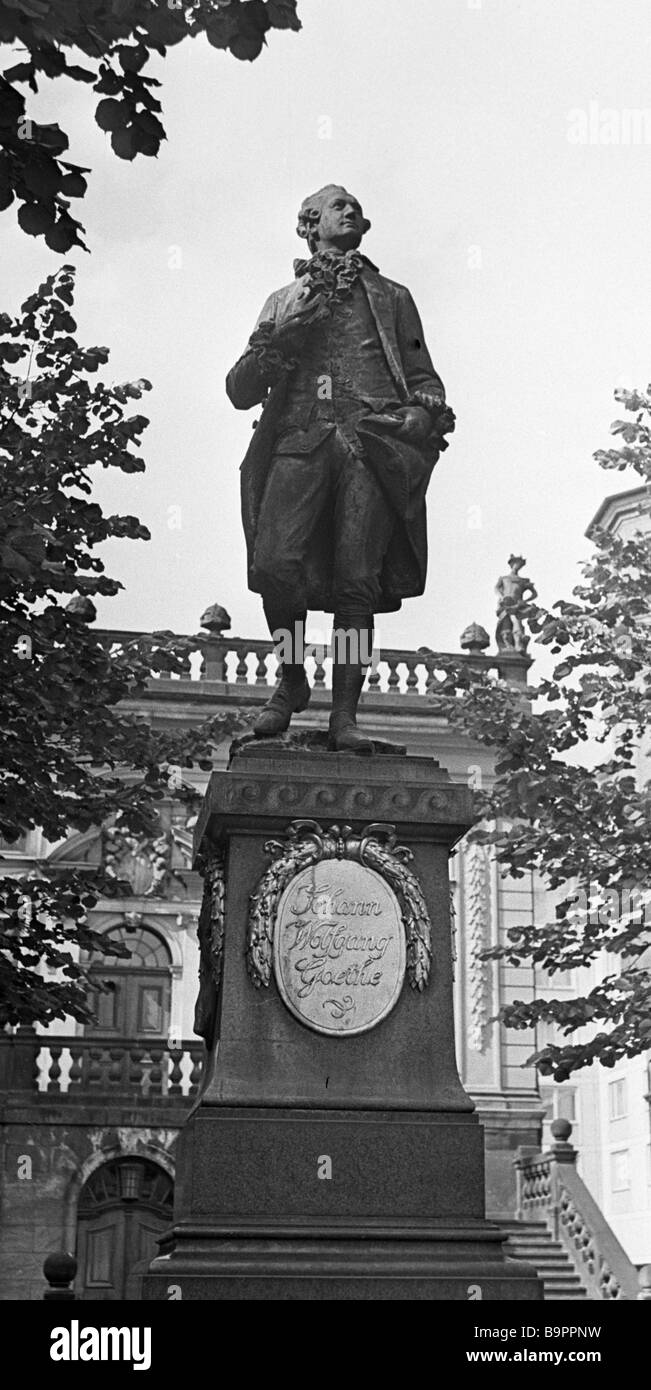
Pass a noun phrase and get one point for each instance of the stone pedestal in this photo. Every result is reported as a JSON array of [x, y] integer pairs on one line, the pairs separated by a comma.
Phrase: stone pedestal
[[346, 1164]]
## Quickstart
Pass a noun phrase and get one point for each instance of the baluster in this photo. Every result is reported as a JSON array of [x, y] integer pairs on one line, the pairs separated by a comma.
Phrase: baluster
[[412, 675], [41, 1069], [432, 681], [54, 1071], [176, 1072], [94, 1067], [261, 668], [224, 652], [374, 677], [196, 1054], [105, 1067], [215, 663], [136, 1056], [76, 1068], [156, 1071], [241, 670], [393, 663], [117, 1058], [320, 652]]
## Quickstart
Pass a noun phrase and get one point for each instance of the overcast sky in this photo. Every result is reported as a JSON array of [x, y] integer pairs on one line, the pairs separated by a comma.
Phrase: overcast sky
[[501, 191]]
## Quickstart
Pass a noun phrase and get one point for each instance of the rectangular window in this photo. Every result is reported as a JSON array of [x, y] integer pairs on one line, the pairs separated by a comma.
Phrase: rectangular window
[[620, 1171], [566, 1103], [618, 1099], [560, 1103], [151, 1009], [547, 1100], [106, 1007]]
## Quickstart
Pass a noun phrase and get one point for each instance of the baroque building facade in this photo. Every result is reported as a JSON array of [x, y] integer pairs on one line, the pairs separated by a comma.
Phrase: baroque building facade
[[610, 1109], [90, 1115]]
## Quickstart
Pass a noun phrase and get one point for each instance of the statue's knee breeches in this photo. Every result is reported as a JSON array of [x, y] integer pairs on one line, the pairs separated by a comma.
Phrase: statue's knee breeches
[[294, 498], [364, 525]]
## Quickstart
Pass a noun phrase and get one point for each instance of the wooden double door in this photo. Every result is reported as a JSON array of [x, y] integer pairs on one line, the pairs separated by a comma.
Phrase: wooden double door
[[123, 1209]]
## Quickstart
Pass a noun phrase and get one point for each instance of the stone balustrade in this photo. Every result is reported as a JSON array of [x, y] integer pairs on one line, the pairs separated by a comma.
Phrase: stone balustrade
[[246, 667], [84, 1068], [550, 1190]]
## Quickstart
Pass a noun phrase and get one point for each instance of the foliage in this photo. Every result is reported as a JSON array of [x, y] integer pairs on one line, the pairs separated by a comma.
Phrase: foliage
[[115, 38], [566, 802], [72, 756]]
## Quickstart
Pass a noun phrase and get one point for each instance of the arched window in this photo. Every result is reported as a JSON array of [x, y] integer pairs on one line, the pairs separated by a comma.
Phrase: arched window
[[135, 999], [147, 949]]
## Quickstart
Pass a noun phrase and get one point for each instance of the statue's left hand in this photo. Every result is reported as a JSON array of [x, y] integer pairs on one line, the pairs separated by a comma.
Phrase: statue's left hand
[[415, 423]]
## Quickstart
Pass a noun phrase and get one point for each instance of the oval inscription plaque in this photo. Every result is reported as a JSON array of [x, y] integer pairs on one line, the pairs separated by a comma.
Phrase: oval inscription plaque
[[339, 947]]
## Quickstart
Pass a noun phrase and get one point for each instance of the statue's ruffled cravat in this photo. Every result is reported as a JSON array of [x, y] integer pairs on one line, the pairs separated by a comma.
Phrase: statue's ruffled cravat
[[333, 273]]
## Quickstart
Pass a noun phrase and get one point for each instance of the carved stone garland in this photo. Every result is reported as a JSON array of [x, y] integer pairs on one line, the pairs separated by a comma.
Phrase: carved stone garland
[[477, 915], [211, 943], [307, 843]]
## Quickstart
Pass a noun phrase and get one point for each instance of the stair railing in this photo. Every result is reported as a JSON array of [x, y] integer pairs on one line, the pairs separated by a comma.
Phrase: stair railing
[[550, 1189]]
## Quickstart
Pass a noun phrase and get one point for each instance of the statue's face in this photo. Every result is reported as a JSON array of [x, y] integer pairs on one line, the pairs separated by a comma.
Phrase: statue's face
[[342, 222]]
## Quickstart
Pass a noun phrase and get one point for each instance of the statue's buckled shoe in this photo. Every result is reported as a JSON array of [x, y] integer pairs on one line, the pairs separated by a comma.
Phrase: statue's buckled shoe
[[345, 737], [290, 698]]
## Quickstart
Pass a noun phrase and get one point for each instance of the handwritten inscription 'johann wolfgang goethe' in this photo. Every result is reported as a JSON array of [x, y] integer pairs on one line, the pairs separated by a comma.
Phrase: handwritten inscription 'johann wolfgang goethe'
[[339, 949]]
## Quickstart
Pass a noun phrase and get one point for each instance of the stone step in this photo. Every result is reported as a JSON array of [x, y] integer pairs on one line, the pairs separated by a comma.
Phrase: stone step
[[565, 1294], [560, 1276], [546, 1257], [533, 1242], [560, 1288], [539, 1246], [537, 1226], [558, 1269], [549, 1261]]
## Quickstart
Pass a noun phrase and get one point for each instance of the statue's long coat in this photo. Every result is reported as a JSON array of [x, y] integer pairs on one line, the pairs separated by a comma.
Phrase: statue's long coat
[[402, 468]]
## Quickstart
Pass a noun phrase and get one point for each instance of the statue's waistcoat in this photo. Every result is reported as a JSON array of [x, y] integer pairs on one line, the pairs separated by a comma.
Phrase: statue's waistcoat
[[341, 373]]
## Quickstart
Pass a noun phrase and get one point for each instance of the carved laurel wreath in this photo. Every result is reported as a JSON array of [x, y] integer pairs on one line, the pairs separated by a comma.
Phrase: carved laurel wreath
[[306, 843]]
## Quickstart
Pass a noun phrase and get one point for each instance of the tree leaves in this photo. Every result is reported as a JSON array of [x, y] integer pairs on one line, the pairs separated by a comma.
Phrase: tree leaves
[[123, 145], [63, 236], [282, 14], [133, 58], [582, 826], [66, 738], [51, 137], [73, 184], [252, 24], [35, 218], [117, 39], [112, 115]]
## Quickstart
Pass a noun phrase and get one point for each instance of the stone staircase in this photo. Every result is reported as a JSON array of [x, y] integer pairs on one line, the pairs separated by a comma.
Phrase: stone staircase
[[533, 1241], [562, 1232]]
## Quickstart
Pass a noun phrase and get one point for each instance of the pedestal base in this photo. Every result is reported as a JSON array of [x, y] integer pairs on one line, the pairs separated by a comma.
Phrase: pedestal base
[[322, 1163], [280, 1204], [448, 1265]]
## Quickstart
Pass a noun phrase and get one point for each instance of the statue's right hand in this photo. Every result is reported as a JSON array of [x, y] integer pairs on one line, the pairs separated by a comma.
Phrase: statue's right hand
[[290, 330]]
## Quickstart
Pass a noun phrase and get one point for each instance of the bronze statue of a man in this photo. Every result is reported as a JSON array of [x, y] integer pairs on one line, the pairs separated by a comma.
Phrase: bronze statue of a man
[[334, 481]]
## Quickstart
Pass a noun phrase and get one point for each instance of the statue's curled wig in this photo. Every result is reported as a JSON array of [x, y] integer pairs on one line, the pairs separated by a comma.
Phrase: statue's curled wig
[[310, 213]]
